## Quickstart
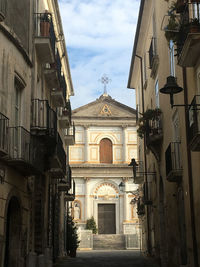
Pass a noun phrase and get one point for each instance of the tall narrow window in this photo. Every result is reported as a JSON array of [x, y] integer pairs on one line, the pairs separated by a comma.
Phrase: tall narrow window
[[106, 151], [172, 63], [18, 89], [157, 94]]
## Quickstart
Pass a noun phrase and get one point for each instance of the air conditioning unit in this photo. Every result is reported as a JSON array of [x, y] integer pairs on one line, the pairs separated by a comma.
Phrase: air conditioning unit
[[2, 16]]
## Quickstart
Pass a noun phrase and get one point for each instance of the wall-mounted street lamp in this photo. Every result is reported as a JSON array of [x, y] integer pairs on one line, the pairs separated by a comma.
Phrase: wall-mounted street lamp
[[171, 88], [134, 164]]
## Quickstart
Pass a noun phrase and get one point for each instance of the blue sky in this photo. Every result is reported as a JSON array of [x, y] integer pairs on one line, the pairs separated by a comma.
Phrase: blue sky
[[99, 36]]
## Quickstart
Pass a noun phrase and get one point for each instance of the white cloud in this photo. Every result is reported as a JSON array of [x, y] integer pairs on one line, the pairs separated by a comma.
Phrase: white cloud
[[99, 37]]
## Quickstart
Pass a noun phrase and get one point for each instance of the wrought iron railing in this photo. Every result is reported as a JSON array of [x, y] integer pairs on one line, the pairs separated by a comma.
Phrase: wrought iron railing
[[154, 127], [173, 158], [19, 143], [68, 110], [70, 131], [152, 52], [65, 112], [189, 17], [60, 153], [194, 117], [4, 123], [63, 86], [43, 117], [44, 28], [69, 176]]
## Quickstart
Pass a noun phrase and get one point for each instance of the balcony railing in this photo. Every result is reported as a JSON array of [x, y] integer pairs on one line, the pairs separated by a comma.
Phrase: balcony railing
[[58, 84], [63, 85], [70, 195], [58, 160], [44, 30], [66, 183], [173, 162], [69, 176], [194, 124], [19, 144], [154, 135], [64, 115], [70, 136], [44, 119], [4, 123], [188, 38]]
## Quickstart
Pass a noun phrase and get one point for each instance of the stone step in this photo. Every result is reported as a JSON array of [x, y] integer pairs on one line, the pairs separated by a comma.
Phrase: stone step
[[110, 242]]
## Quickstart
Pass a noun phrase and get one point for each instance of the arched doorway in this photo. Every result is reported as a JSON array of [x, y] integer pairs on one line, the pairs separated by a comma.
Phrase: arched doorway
[[106, 151], [13, 234]]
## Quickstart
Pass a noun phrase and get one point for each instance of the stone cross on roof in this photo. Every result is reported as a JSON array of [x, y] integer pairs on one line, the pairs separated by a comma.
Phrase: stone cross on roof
[[105, 80]]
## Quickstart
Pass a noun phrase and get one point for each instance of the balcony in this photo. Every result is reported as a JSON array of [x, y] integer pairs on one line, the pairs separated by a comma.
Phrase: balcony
[[66, 183], [45, 38], [154, 135], [70, 136], [194, 124], [189, 35], [64, 116], [70, 196], [4, 123], [58, 160], [153, 58], [147, 198], [43, 120], [173, 162], [52, 72], [24, 151], [58, 94]]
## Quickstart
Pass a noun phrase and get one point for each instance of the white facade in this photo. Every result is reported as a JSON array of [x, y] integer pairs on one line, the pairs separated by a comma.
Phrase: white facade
[[98, 183]]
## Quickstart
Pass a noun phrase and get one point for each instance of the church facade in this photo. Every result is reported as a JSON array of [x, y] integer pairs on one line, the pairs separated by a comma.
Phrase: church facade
[[105, 143]]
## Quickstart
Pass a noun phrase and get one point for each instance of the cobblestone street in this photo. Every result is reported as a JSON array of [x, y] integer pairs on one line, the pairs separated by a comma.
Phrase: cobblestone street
[[107, 259]]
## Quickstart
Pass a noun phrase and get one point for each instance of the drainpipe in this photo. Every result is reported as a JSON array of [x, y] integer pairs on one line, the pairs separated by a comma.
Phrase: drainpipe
[[145, 158], [190, 179]]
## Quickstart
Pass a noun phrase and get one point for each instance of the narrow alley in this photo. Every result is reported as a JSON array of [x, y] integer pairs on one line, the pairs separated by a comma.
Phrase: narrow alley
[[107, 258]]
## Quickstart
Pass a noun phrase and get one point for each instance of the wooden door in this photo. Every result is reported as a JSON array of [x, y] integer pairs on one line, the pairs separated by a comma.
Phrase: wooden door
[[105, 151], [106, 219]]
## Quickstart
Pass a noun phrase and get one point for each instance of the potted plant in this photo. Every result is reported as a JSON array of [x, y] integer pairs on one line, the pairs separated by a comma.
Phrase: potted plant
[[72, 238], [91, 225], [45, 20], [172, 28]]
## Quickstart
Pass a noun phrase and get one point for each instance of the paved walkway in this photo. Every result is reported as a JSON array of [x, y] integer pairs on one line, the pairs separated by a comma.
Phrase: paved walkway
[[122, 258]]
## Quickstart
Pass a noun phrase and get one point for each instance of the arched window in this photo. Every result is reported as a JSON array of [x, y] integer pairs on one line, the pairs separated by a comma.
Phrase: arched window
[[106, 151]]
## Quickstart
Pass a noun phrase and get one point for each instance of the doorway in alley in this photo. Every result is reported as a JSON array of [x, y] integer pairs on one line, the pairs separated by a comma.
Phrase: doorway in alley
[[106, 219], [13, 234]]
